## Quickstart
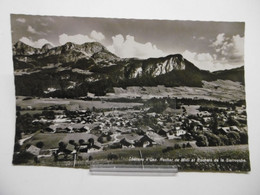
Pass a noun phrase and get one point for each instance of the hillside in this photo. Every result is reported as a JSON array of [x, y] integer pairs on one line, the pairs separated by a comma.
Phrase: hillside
[[73, 70]]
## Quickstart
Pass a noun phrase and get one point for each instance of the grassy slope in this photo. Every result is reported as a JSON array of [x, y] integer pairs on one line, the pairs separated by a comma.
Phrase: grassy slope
[[180, 157]]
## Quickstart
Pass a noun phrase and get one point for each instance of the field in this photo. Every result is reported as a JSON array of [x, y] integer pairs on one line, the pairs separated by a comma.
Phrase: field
[[70, 104], [189, 159], [215, 90]]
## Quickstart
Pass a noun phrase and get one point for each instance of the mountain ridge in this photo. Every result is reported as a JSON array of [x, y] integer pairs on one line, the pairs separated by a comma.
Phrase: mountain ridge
[[73, 70]]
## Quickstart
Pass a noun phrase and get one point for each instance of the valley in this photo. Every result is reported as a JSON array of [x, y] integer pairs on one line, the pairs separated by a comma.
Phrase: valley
[[81, 104]]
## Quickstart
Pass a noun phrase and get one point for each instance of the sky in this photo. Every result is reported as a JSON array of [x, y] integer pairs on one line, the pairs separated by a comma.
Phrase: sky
[[209, 45]]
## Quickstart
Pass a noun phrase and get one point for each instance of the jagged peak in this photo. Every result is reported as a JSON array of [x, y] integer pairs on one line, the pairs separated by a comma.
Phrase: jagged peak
[[179, 56], [21, 44], [93, 43]]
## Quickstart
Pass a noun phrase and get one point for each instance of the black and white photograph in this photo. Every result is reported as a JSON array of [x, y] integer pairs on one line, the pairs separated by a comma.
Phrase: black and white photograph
[[92, 90]]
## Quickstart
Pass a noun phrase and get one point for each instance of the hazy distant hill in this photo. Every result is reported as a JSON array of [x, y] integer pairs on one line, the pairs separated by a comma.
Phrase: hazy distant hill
[[73, 70]]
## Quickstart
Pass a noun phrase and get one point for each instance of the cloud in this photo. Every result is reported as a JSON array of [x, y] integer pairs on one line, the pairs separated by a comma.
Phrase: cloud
[[204, 57], [80, 39], [219, 40], [207, 61], [229, 48], [128, 47], [22, 20], [33, 31], [97, 35], [199, 38], [37, 44]]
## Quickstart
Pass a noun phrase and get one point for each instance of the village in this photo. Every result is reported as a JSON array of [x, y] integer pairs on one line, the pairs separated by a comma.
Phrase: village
[[161, 122]]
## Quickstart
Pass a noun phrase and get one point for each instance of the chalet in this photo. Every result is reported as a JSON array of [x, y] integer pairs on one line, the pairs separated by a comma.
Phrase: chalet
[[145, 141], [195, 122], [95, 148], [179, 132], [207, 119], [235, 128], [60, 130], [70, 147], [84, 129], [69, 129], [157, 138], [115, 145], [33, 150], [126, 143], [163, 132], [50, 129], [224, 130], [45, 153], [146, 128], [160, 123], [90, 148], [104, 137], [170, 134], [204, 114], [95, 131]]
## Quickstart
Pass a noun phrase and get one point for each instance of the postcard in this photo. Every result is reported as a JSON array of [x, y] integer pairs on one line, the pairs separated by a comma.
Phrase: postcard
[[129, 91]]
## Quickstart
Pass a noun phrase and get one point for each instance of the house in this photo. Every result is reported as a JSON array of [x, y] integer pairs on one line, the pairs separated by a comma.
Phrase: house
[[49, 129], [85, 129], [104, 137], [126, 143], [235, 128], [207, 119], [163, 132], [180, 132], [45, 153], [69, 129], [33, 150], [96, 147], [157, 138], [170, 134], [90, 148], [91, 95], [224, 130], [70, 147], [145, 141]]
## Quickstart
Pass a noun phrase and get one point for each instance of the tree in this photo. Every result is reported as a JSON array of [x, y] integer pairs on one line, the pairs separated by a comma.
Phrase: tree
[[22, 157], [177, 146], [214, 123], [201, 140], [81, 141], [234, 137], [188, 145], [71, 141], [49, 114], [91, 142], [232, 122], [243, 137], [39, 144], [62, 146], [213, 139], [224, 139]]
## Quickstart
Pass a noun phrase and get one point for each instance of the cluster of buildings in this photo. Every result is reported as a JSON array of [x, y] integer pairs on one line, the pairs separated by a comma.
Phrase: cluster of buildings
[[136, 128]]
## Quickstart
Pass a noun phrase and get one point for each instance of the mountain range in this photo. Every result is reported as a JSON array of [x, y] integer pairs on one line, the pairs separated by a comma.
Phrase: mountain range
[[73, 70]]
